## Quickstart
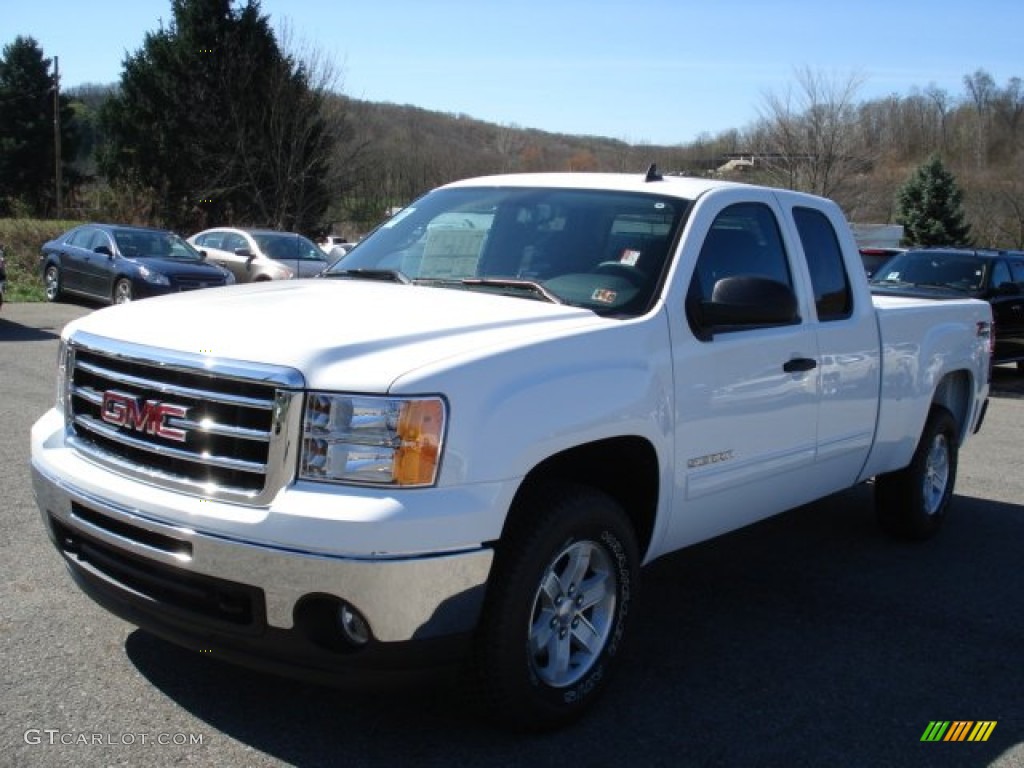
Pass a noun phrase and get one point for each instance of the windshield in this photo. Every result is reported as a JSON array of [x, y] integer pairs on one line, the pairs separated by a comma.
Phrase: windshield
[[964, 272], [606, 251], [137, 244]]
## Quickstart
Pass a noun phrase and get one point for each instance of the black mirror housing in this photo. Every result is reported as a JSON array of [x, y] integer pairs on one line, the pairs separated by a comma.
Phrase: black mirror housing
[[748, 301]]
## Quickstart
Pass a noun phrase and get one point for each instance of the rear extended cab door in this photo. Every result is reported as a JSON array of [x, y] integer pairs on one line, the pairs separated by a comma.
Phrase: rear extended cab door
[[846, 326]]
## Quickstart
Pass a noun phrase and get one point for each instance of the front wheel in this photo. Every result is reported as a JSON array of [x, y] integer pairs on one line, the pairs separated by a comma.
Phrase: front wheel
[[912, 503], [122, 291], [51, 282], [563, 584]]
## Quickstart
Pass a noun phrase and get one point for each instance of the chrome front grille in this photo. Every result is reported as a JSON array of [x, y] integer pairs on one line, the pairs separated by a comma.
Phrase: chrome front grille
[[211, 428]]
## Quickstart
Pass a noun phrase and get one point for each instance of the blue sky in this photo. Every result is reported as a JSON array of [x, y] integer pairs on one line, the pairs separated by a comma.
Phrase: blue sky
[[644, 71]]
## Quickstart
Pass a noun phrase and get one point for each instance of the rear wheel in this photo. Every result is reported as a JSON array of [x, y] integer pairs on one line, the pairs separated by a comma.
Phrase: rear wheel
[[562, 587], [912, 502], [52, 283], [122, 291]]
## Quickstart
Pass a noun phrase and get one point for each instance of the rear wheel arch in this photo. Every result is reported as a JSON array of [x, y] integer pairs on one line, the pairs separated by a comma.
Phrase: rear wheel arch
[[954, 394]]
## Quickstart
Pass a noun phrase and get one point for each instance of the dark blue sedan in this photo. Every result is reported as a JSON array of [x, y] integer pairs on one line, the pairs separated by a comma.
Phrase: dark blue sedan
[[117, 264]]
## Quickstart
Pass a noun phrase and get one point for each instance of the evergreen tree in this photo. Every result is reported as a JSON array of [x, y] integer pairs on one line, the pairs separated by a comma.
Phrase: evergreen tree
[[930, 207], [27, 149], [219, 123]]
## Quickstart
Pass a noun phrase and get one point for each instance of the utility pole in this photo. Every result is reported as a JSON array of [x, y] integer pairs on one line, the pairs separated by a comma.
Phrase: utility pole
[[56, 133]]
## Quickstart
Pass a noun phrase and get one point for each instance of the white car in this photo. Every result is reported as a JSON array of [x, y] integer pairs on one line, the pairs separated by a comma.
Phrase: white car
[[261, 254]]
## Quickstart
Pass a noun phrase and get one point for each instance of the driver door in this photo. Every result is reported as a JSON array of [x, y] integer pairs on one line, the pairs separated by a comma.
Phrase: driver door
[[746, 396]]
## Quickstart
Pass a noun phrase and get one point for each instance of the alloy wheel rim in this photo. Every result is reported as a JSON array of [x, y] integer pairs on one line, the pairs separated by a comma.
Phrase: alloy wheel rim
[[936, 474], [51, 283], [573, 614]]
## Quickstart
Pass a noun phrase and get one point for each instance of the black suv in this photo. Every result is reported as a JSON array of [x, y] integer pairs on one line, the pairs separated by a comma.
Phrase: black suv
[[995, 276]]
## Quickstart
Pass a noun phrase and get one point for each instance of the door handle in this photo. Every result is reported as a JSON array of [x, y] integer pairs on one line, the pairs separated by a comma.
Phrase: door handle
[[800, 365]]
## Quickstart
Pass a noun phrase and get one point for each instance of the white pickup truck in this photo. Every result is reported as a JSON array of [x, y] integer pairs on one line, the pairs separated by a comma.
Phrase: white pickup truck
[[460, 444]]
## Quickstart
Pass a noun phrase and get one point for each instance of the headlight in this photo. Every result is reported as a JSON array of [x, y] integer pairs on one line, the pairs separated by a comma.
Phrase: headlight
[[378, 440], [151, 276]]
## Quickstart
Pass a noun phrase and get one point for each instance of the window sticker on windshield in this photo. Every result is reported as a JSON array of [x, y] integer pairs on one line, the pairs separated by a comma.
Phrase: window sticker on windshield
[[397, 217], [629, 257], [604, 295], [893, 276]]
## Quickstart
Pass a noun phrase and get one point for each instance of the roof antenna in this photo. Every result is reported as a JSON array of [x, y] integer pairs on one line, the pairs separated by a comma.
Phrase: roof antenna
[[652, 173]]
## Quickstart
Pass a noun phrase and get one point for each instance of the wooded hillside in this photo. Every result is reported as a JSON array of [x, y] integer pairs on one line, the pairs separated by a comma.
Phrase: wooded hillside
[[821, 140]]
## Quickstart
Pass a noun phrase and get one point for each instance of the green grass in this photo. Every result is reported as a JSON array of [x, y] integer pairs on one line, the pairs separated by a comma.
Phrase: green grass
[[21, 240]]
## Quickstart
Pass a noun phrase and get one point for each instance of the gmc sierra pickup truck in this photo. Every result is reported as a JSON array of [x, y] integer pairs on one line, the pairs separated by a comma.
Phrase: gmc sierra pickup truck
[[460, 444]]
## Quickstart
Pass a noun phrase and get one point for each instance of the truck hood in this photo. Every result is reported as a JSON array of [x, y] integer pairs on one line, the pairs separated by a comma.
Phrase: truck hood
[[350, 334]]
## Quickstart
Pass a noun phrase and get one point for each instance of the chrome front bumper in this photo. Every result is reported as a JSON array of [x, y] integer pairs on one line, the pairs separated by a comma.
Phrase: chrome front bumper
[[402, 599]]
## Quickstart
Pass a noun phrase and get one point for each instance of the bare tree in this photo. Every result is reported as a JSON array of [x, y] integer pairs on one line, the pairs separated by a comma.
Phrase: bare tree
[[509, 141], [1008, 105], [807, 138], [981, 89], [940, 99]]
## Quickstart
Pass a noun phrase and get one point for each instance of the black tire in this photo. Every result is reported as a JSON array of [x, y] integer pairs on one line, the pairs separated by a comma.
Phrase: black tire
[[912, 503], [531, 668], [52, 282]]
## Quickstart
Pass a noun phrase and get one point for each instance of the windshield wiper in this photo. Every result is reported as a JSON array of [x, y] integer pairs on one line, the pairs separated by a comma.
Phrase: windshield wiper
[[529, 286], [954, 286], [387, 275]]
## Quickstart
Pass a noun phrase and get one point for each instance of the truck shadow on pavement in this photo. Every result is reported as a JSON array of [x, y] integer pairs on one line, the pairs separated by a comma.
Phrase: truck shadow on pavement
[[11, 331], [808, 639]]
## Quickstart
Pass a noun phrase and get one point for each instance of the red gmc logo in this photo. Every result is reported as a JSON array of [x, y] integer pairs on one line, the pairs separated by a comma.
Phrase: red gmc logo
[[149, 416]]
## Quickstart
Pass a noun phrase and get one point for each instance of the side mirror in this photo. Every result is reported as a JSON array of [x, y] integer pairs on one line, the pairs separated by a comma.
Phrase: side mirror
[[747, 301], [105, 250]]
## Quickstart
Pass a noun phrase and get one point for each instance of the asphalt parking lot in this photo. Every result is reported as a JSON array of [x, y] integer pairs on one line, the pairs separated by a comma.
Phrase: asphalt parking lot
[[806, 640]]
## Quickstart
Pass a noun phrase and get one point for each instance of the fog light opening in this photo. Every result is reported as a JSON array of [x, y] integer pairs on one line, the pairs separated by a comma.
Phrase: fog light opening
[[352, 625]]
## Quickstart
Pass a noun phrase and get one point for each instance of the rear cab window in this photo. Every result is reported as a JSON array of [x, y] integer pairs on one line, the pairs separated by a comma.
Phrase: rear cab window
[[833, 298]]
